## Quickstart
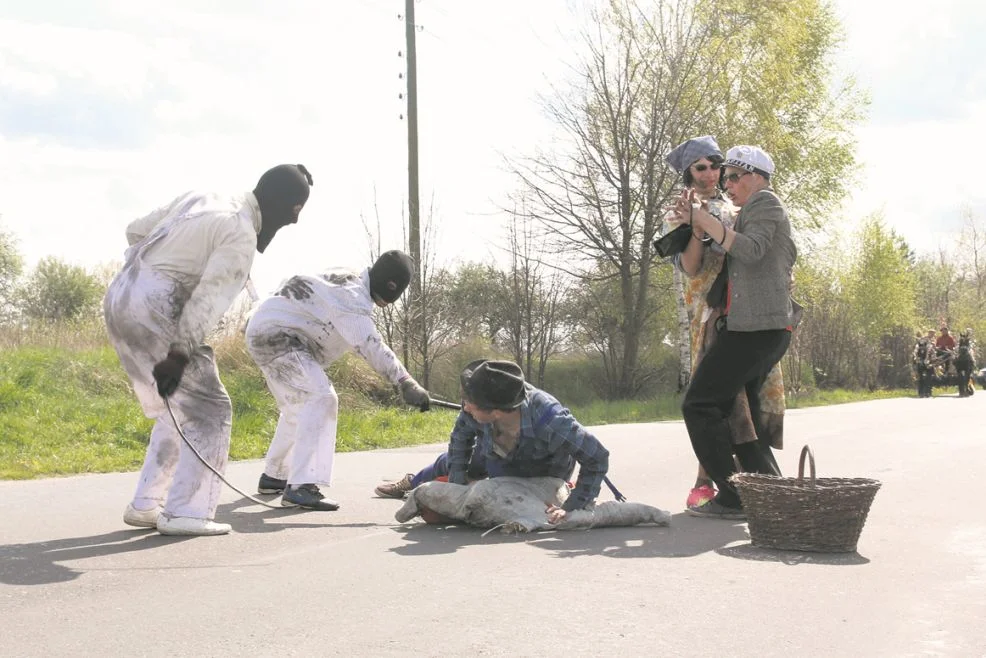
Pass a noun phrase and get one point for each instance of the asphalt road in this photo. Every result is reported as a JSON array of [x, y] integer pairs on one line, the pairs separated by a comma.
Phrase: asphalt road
[[75, 581]]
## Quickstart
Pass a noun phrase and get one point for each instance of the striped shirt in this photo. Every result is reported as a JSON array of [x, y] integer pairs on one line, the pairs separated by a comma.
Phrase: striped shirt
[[547, 448]]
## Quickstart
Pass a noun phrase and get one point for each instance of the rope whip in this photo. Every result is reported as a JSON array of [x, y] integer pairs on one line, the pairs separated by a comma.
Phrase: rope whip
[[438, 403], [167, 403]]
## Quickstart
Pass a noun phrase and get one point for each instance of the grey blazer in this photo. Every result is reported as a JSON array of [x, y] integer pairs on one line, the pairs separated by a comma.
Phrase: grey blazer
[[760, 262]]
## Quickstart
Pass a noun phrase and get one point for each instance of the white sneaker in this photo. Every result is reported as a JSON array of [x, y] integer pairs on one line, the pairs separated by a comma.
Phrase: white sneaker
[[141, 518], [187, 525]]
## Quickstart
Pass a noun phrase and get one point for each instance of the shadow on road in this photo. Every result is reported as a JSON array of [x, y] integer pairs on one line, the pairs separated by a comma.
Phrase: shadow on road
[[686, 537], [256, 522], [37, 563], [757, 554]]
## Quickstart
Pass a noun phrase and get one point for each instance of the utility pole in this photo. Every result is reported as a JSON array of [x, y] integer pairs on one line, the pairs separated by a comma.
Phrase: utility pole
[[413, 208], [417, 308]]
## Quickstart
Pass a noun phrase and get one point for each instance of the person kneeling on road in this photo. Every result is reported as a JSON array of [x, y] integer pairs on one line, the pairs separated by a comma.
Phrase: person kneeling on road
[[293, 336], [438, 470], [509, 428]]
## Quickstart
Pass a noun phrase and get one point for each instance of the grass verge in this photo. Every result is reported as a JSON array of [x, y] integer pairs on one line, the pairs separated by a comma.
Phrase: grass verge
[[66, 412], [69, 412]]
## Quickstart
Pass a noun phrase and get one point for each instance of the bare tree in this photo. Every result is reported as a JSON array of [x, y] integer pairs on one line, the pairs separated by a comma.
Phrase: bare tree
[[390, 321], [654, 73], [422, 330], [533, 325], [972, 246], [602, 199]]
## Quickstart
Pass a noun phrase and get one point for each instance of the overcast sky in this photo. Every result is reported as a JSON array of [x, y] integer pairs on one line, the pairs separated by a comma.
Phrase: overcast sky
[[110, 108]]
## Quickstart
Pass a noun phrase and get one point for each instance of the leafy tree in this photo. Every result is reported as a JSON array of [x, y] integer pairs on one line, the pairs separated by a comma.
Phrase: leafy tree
[[593, 311], [58, 291], [478, 301], [824, 346], [651, 75], [935, 280], [881, 295], [11, 267], [777, 89], [881, 286]]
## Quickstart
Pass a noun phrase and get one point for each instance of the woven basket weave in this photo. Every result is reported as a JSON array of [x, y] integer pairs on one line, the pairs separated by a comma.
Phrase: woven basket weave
[[794, 514]]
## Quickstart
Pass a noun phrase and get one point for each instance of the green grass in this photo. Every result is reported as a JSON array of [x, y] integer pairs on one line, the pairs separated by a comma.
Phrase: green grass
[[842, 396], [669, 407], [605, 412], [68, 411]]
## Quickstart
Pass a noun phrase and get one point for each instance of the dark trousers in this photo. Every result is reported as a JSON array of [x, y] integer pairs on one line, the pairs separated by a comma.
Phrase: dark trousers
[[925, 376], [479, 469], [737, 360]]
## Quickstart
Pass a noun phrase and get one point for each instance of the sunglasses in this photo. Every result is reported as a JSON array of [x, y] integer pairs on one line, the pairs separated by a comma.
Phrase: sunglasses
[[733, 178], [702, 167]]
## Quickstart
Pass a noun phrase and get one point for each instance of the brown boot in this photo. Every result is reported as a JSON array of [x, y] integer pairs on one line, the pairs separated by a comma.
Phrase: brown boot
[[397, 489]]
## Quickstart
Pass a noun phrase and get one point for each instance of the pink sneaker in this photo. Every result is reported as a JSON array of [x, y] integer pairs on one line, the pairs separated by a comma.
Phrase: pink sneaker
[[700, 495]]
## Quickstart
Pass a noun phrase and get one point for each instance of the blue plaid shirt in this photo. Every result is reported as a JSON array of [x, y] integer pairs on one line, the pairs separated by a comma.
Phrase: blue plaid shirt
[[549, 450]]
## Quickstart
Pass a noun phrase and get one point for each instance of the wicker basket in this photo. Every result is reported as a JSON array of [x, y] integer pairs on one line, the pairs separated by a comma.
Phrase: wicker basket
[[794, 514]]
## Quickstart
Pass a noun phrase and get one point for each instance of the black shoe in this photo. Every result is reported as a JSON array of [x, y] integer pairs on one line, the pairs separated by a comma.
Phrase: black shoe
[[269, 485], [309, 497], [714, 510]]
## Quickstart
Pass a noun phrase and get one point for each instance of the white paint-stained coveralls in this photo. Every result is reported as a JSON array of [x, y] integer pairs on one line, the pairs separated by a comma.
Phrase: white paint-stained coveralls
[[186, 263], [293, 336]]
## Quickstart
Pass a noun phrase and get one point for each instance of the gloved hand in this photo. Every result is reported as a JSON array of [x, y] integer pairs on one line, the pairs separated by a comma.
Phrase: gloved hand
[[168, 373], [414, 395]]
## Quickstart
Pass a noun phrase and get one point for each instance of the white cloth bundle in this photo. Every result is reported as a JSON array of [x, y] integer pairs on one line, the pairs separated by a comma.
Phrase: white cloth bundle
[[518, 505]]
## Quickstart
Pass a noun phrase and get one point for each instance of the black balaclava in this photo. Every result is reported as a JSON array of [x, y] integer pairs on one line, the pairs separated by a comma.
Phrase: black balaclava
[[278, 191], [390, 275]]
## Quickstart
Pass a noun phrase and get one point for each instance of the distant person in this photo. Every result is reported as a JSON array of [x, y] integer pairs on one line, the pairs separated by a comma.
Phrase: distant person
[[755, 330], [945, 340], [293, 336], [699, 161], [965, 362], [945, 347], [186, 263], [923, 359]]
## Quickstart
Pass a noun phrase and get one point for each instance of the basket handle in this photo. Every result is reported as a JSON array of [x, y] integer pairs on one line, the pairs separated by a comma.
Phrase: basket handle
[[801, 465]]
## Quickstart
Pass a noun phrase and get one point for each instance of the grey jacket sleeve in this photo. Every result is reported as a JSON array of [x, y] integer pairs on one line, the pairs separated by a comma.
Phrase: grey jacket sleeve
[[758, 220]]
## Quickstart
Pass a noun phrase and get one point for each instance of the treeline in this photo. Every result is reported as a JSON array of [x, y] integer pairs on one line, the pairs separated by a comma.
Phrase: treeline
[[865, 298]]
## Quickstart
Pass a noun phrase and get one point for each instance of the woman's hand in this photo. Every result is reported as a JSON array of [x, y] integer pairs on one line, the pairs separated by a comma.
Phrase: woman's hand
[[688, 208], [677, 213], [683, 205], [705, 223]]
